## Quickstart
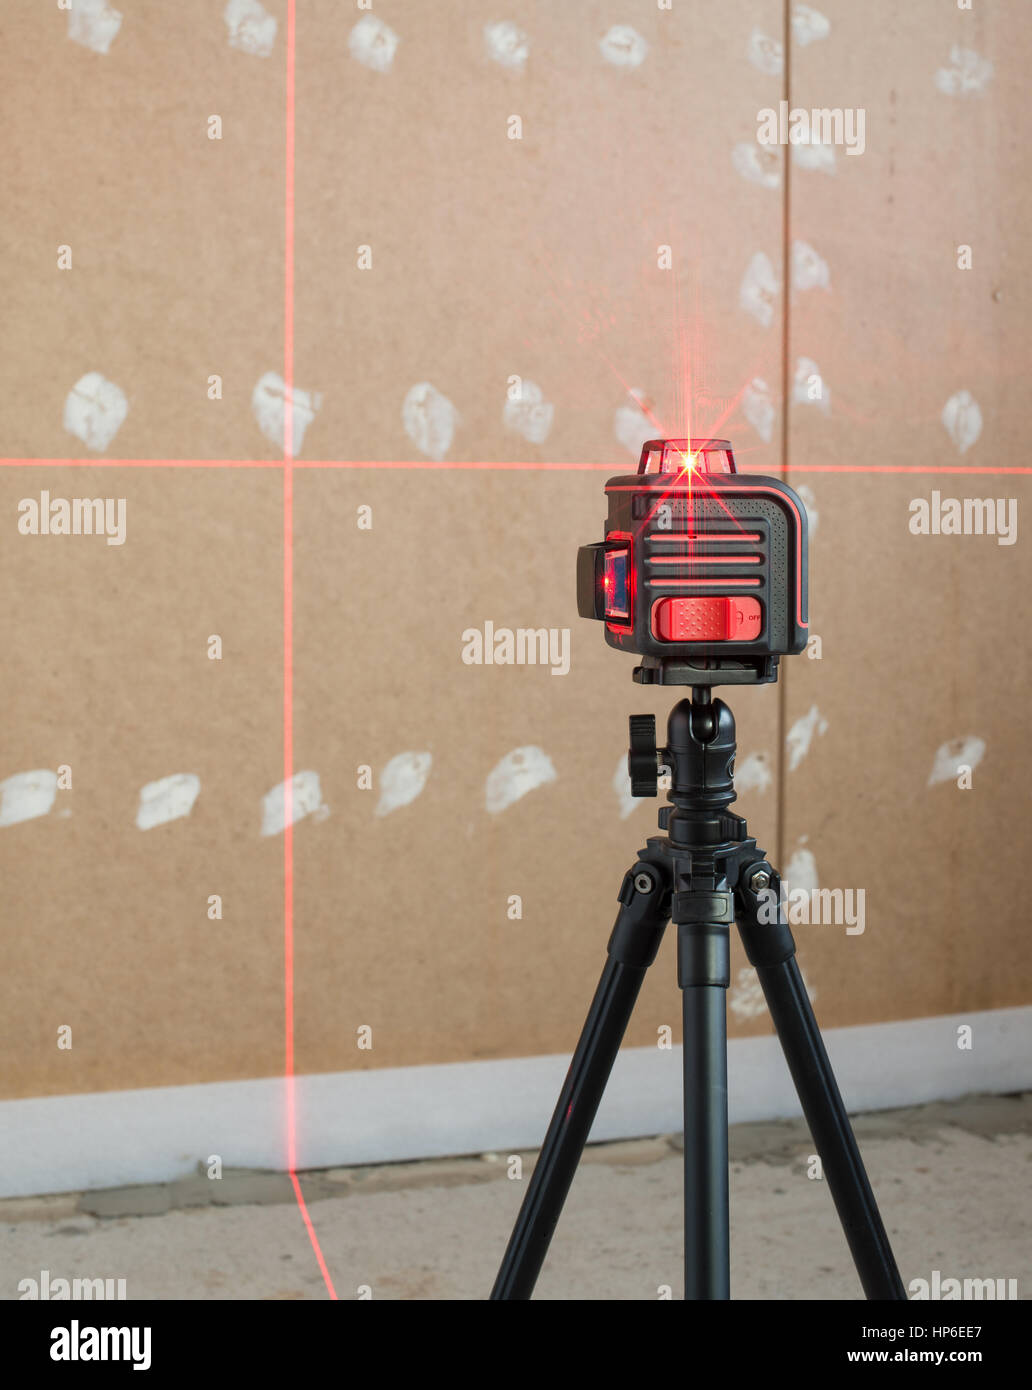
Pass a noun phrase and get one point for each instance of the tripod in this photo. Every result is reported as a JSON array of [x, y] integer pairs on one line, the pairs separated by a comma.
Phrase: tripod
[[703, 874]]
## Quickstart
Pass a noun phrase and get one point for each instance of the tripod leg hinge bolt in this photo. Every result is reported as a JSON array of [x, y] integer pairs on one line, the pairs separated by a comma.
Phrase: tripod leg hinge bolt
[[759, 881], [644, 883]]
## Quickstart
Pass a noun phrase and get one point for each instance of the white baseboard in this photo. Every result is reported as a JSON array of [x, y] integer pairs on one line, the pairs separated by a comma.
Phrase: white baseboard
[[120, 1138]]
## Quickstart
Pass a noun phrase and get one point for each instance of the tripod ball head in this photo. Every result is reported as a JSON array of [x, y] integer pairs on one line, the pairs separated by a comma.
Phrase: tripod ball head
[[700, 753]]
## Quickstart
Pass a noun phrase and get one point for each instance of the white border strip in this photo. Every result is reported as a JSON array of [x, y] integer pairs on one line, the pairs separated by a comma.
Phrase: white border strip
[[119, 1138]]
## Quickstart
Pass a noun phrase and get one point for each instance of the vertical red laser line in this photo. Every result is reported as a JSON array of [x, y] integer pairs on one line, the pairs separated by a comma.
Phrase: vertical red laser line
[[288, 656]]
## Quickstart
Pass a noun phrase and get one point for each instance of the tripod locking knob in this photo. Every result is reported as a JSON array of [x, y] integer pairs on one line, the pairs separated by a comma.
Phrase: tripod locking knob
[[642, 759]]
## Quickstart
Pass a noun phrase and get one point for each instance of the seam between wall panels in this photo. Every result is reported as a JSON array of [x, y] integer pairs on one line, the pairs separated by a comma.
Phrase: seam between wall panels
[[786, 212]]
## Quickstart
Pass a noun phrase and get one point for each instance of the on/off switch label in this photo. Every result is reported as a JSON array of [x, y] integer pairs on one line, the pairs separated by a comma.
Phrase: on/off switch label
[[712, 618]]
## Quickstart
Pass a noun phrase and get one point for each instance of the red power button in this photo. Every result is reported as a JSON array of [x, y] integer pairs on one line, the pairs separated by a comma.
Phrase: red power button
[[711, 618]]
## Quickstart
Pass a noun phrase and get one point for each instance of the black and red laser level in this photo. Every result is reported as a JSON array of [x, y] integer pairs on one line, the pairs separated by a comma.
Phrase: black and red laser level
[[702, 574], [703, 569]]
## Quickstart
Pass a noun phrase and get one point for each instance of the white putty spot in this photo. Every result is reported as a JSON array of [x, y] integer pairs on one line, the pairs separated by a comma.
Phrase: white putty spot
[[27, 795], [94, 24], [801, 870], [305, 800], [753, 773], [962, 418], [968, 74], [507, 44], [518, 773], [622, 788], [632, 425], [268, 403], [745, 997], [531, 415], [766, 53], [808, 25], [759, 289], [757, 163], [803, 386], [373, 43], [170, 798], [401, 781], [809, 270], [429, 419], [251, 28], [95, 411], [952, 756], [623, 46], [809, 501], [801, 735], [758, 408], [814, 154]]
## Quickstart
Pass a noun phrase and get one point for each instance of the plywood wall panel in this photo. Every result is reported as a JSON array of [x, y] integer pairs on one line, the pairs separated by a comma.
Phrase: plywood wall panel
[[539, 256], [176, 240], [493, 257], [107, 675], [921, 635]]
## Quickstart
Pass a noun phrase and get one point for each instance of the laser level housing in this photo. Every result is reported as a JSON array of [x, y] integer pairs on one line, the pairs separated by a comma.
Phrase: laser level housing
[[703, 570]]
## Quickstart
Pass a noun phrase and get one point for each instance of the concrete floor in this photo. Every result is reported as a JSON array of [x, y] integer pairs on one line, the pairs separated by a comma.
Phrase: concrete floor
[[952, 1180]]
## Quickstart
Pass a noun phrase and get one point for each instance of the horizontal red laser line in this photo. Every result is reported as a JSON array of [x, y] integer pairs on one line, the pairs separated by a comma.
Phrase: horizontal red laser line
[[447, 467], [415, 465], [946, 468], [141, 463], [898, 468]]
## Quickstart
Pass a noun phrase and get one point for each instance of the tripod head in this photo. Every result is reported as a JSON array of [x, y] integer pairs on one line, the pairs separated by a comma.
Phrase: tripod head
[[703, 570], [700, 753]]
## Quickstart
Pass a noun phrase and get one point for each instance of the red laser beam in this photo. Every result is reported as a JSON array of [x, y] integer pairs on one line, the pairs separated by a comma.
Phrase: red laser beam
[[288, 656], [139, 463], [535, 466]]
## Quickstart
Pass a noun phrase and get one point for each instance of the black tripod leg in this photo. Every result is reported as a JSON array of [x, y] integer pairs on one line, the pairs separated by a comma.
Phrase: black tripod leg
[[632, 949], [703, 915], [707, 1252], [771, 950]]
